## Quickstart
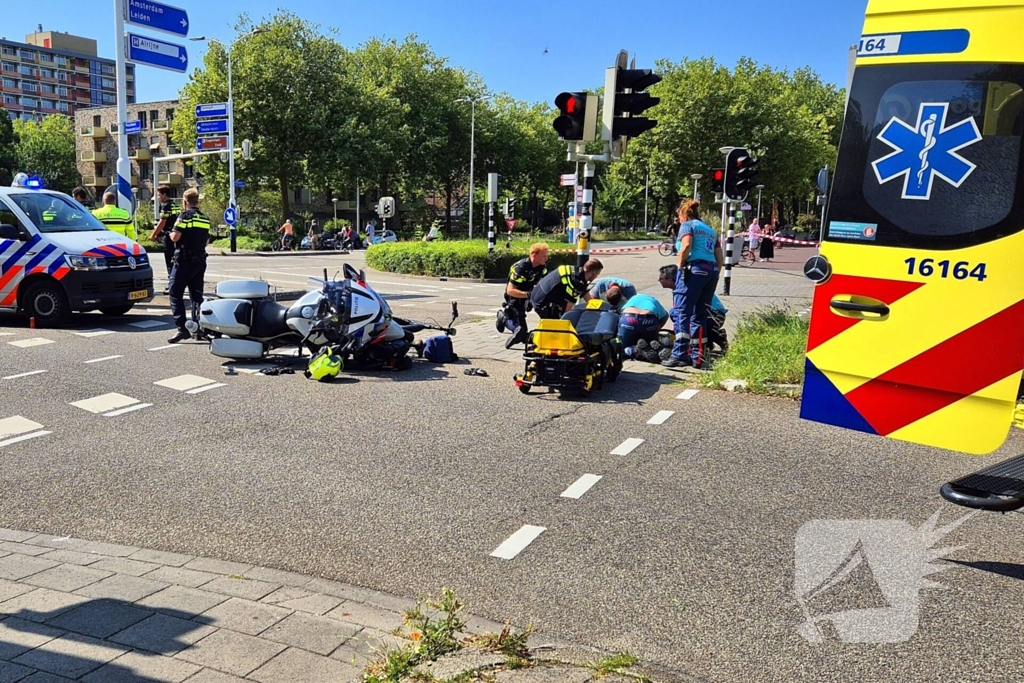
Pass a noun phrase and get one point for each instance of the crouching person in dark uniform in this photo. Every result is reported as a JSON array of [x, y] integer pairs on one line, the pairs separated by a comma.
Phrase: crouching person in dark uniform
[[557, 291], [522, 277], [190, 234]]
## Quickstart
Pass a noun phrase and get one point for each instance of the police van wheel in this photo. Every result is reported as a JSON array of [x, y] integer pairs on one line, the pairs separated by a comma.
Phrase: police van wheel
[[47, 303], [117, 310]]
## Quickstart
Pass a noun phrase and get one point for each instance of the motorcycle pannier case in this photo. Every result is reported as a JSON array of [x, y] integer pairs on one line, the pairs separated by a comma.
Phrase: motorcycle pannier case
[[243, 289]]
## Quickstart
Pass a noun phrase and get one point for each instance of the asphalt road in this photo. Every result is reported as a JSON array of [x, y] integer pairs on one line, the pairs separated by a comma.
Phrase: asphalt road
[[683, 552]]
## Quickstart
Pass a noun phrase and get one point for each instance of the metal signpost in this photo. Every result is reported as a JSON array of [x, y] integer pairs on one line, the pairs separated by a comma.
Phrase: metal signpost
[[140, 49]]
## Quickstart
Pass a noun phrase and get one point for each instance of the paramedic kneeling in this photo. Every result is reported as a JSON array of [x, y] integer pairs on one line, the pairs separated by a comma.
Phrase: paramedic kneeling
[[191, 232], [700, 258], [643, 316]]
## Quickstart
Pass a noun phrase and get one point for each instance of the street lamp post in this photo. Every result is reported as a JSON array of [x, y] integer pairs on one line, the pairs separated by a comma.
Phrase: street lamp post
[[335, 200], [231, 128], [696, 192], [759, 188], [472, 150]]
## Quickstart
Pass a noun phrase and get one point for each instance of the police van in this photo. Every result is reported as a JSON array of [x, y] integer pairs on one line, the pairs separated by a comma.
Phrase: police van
[[56, 258]]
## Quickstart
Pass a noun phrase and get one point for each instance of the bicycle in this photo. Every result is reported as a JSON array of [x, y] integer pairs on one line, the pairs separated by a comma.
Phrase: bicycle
[[667, 247], [279, 244]]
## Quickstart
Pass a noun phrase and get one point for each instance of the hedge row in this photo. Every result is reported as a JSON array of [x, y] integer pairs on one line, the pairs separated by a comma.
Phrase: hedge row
[[452, 259]]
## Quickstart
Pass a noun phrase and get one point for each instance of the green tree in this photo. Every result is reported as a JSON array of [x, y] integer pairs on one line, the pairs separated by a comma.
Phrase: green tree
[[8, 149], [288, 100], [47, 148]]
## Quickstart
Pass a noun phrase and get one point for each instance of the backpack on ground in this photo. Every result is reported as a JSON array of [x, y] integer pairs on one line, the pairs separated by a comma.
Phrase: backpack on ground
[[439, 349]]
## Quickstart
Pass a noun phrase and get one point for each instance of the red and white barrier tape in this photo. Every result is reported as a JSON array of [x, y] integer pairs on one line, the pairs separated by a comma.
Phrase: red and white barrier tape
[[787, 240], [619, 250]]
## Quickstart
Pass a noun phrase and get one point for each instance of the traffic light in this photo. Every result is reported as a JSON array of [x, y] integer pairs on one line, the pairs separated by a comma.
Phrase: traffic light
[[625, 99], [386, 207], [509, 208], [717, 180], [578, 119], [740, 172], [247, 149]]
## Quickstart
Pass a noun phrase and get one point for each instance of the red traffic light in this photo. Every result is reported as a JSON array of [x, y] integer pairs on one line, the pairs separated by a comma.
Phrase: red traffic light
[[571, 103], [574, 122], [718, 175]]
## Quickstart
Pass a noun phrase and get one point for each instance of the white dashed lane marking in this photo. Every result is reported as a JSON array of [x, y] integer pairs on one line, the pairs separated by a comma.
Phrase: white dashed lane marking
[[147, 324], [100, 360], [111, 405], [206, 388], [34, 341], [188, 383], [24, 374], [480, 313], [17, 428], [581, 486], [93, 333], [627, 446], [688, 394], [515, 543], [161, 348], [660, 417]]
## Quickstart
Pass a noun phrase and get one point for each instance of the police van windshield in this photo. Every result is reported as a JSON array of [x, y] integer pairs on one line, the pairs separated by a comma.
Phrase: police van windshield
[[55, 212], [929, 156]]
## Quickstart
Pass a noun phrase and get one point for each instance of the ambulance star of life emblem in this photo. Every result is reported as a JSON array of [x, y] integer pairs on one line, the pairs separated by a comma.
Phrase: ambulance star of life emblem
[[926, 151]]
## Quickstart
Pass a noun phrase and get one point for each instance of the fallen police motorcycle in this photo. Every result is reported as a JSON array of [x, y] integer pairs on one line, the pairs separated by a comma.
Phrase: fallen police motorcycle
[[245, 323]]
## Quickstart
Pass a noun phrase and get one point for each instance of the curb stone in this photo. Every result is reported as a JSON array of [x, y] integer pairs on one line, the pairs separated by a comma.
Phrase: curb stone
[[136, 620]]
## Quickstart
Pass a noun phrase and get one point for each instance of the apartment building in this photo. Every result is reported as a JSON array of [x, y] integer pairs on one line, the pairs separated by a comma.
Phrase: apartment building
[[96, 149], [56, 73]]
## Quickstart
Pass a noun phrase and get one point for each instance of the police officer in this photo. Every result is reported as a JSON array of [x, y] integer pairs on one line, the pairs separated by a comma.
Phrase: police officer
[[191, 233], [115, 218], [557, 291], [168, 216], [522, 277], [80, 195]]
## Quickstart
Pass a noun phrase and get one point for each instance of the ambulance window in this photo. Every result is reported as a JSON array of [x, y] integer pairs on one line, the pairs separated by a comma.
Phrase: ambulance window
[[930, 155]]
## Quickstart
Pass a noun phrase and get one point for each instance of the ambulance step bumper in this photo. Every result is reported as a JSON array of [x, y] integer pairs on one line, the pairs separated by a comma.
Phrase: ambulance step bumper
[[999, 488]]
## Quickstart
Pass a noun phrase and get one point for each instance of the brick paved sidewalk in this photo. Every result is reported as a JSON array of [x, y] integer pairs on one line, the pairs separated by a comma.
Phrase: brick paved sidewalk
[[76, 610]]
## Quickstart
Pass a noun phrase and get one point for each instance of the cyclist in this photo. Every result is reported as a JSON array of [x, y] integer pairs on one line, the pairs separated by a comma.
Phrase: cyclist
[[287, 231]]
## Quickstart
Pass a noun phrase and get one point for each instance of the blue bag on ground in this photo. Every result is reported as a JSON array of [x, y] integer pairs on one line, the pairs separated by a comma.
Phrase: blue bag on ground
[[438, 349]]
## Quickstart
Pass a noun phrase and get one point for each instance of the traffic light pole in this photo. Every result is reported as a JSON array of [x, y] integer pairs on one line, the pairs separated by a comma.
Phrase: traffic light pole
[[587, 219], [726, 289]]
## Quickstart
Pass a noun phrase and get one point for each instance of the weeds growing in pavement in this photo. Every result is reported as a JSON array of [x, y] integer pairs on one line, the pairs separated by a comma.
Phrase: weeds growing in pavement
[[768, 348], [508, 642], [432, 627]]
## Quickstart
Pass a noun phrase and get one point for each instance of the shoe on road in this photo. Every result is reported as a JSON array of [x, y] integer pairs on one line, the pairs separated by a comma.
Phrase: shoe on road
[[182, 335], [499, 324], [675, 363]]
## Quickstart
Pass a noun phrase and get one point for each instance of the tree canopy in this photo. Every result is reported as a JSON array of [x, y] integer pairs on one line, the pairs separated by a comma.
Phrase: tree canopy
[[47, 148]]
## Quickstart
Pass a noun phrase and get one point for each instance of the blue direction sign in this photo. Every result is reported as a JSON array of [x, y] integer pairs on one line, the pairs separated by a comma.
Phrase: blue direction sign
[[216, 127], [230, 217], [208, 110], [153, 52], [133, 127], [157, 16], [239, 184]]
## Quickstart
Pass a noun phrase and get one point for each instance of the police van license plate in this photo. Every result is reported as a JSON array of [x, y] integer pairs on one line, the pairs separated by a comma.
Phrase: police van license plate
[[141, 294]]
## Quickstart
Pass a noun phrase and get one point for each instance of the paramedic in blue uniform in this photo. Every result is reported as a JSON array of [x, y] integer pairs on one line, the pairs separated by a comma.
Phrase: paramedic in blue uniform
[[190, 235], [700, 260], [615, 291]]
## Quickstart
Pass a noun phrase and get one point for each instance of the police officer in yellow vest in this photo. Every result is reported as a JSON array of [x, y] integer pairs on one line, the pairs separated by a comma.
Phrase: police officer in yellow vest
[[116, 219], [191, 233]]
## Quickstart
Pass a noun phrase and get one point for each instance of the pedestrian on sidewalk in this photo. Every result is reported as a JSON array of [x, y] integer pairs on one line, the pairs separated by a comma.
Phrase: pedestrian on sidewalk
[[700, 260], [767, 251]]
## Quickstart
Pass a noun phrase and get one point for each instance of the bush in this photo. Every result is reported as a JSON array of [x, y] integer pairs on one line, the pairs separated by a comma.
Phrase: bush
[[619, 236], [807, 222], [768, 348], [245, 243], [453, 259]]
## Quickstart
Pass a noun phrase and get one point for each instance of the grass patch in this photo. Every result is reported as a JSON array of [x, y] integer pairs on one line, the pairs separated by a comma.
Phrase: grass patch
[[768, 348]]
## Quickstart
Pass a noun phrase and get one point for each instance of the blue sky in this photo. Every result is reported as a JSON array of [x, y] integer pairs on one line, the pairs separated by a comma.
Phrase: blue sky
[[505, 42]]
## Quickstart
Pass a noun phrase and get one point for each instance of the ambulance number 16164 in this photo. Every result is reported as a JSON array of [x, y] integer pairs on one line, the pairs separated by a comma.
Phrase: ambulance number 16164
[[961, 270]]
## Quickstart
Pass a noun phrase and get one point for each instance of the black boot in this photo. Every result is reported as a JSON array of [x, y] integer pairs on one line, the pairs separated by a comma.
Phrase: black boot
[[182, 335]]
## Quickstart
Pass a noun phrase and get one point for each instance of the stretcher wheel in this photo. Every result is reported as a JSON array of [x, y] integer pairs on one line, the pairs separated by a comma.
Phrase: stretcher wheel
[[524, 388]]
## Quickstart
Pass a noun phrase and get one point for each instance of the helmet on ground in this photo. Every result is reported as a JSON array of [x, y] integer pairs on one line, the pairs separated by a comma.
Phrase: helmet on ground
[[324, 365]]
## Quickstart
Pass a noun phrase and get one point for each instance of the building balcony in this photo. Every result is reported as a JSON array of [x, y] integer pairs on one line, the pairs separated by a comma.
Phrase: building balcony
[[94, 157], [160, 125], [95, 181], [169, 179], [95, 132], [135, 180], [140, 154], [82, 68]]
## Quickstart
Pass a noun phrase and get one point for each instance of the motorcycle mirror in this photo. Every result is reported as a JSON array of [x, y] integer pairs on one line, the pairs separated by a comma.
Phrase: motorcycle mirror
[[455, 309], [362, 275]]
